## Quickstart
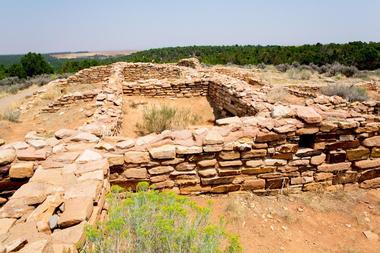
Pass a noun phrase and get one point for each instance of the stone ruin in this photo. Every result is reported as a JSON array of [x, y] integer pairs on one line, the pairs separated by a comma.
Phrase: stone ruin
[[51, 188]]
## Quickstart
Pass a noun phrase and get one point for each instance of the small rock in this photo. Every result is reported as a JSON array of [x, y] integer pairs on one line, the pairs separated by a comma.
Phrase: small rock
[[88, 155], [371, 235], [53, 221], [7, 156]]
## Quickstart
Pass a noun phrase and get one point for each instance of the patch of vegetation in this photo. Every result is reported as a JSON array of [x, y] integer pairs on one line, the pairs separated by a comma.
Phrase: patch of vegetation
[[149, 221], [349, 92], [299, 74], [11, 115], [158, 119]]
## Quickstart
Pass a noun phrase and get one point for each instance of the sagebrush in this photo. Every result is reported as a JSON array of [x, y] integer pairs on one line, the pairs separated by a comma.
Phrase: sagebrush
[[349, 92], [149, 221], [10, 114], [159, 118]]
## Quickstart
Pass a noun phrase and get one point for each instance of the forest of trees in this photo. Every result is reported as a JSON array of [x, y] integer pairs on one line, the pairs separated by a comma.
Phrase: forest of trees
[[364, 56], [359, 54]]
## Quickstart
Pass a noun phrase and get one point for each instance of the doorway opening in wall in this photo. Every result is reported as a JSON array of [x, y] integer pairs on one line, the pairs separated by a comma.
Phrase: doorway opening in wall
[[306, 141], [143, 115]]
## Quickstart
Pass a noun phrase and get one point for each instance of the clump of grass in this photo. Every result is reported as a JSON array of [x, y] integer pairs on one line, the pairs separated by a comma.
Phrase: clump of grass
[[157, 222], [299, 74], [349, 92], [11, 115], [158, 119]]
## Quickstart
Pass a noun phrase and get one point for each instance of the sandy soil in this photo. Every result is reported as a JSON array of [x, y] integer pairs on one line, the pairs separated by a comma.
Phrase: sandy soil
[[308, 222], [47, 123], [134, 106]]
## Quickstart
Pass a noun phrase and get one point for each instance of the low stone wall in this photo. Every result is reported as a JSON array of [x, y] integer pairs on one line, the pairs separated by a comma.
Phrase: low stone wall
[[98, 74], [262, 155], [166, 88], [142, 71], [70, 99]]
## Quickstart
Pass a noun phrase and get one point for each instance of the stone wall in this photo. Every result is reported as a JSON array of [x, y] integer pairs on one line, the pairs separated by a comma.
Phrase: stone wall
[[70, 99], [98, 74], [166, 88], [328, 144], [142, 71], [257, 154]]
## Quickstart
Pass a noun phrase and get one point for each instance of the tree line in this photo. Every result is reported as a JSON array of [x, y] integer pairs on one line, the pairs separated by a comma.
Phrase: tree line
[[362, 55]]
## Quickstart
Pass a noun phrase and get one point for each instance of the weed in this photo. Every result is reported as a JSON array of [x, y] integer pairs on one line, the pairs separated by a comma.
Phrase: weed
[[163, 222]]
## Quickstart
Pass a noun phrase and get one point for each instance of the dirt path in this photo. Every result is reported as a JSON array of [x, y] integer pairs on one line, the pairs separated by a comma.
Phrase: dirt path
[[14, 99]]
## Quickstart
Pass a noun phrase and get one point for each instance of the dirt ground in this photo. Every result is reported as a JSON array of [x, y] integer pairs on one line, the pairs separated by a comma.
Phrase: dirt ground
[[134, 106], [46, 123], [307, 222]]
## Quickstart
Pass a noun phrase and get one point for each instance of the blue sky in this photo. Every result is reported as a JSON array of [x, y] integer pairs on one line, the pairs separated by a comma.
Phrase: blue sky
[[72, 25]]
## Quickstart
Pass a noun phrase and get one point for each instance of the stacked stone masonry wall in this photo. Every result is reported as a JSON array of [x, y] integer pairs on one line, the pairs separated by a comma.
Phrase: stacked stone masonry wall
[[327, 144]]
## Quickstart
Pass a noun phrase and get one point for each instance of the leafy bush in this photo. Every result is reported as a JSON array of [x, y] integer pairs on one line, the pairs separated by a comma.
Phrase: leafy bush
[[158, 119], [11, 115], [149, 221], [349, 92]]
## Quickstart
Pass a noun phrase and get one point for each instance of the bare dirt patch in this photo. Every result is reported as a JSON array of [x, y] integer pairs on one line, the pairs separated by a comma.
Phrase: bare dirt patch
[[134, 106], [309, 222], [47, 123]]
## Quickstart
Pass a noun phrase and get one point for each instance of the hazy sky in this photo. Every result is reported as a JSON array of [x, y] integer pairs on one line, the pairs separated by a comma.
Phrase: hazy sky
[[72, 25]]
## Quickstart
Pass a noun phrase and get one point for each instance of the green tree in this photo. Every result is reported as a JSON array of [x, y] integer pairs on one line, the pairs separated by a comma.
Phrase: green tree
[[35, 64], [16, 70]]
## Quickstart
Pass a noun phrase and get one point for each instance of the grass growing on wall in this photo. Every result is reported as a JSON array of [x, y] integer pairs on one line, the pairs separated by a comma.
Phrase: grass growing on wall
[[149, 221]]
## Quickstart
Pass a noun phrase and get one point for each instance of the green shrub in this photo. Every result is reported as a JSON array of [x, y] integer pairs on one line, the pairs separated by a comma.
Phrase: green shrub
[[149, 221], [349, 92], [158, 119], [11, 115]]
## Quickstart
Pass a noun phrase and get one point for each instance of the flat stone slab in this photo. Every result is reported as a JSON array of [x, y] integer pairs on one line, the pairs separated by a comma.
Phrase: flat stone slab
[[76, 211]]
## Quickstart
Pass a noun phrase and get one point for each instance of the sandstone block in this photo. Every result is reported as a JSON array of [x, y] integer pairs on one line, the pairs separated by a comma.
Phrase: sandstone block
[[334, 167], [230, 163], [183, 150], [212, 138], [185, 166], [254, 163], [254, 153], [360, 153], [258, 170], [207, 173], [21, 170], [308, 114], [317, 160], [207, 163], [76, 211], [375, 153], [89, 155], [253, 184], [72, 235], [163, 152], [136, 157], [371, 184], [367, 164], [229, 155], [161, 170], [372, 141]]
